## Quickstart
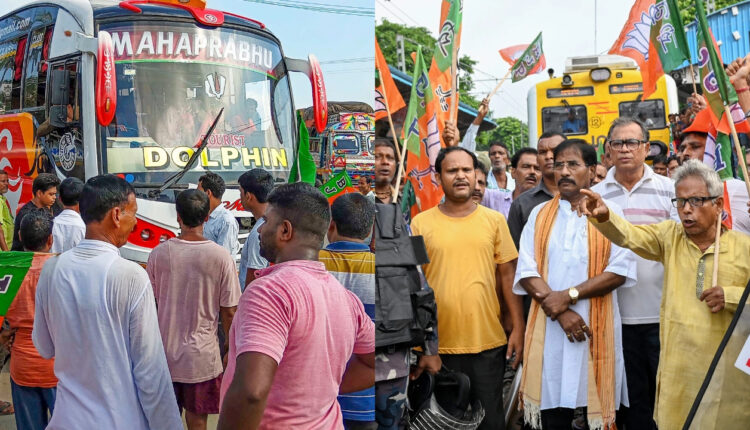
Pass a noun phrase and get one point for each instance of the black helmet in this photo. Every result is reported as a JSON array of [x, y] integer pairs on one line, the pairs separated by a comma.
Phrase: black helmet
[[443, 401]]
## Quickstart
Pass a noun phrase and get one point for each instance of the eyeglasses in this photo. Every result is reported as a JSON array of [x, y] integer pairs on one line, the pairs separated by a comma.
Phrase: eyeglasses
[[630, 144], [695, 202], [572, 165]]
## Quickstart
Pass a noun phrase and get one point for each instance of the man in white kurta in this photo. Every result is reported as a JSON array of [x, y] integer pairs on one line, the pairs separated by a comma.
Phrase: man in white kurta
[[565, 376], [96, 315], [565, 363]]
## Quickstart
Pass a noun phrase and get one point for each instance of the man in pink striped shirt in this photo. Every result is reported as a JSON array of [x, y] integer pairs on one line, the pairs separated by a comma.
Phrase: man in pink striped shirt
[[645, 198], [295, 328]]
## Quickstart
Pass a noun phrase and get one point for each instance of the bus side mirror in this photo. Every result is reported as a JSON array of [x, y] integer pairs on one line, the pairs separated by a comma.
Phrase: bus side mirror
[[59, 98], [106, 85], [311, 68]]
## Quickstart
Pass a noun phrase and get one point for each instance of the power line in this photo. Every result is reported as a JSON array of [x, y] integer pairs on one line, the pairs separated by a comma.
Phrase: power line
[[405, 14], [395, 15], [318, 7], [349, 60]]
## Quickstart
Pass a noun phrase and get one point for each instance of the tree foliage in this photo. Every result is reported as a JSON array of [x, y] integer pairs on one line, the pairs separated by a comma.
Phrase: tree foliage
[[511, 131], [386, 33], [687, 8]]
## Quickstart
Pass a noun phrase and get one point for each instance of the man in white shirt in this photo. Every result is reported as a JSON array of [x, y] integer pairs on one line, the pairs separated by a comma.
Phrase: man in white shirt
[[221, 227], [498, 152], [96, 315], [571, 278], [68, 228], [645, 198], [255, 186]]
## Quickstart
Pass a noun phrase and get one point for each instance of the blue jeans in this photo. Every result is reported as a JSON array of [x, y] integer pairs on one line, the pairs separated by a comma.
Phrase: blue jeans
[[32, 405]]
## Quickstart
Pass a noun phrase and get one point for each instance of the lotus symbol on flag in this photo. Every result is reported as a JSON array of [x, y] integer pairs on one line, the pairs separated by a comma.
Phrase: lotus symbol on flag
[[638, 37]]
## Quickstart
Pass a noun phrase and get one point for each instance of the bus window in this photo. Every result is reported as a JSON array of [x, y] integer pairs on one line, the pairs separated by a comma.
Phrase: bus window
[[371, 143], [7, 73], [650, 112], [346, 143], [66, 143], [15, 90], [36, 68], [569, 120]]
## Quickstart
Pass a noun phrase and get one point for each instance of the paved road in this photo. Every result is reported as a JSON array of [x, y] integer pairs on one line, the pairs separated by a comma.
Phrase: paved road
[[8, 422]]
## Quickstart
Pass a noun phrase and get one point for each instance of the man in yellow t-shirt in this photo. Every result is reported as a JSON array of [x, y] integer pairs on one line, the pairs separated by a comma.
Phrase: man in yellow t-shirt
[[6, 216], [472, 263]]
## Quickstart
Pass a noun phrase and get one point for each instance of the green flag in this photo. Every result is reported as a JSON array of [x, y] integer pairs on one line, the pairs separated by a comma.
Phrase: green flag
[[718, 153], [306, 166], [714, 80], [528, 61], [450, 33], [419, 102], [341, 183], [668, 35], [13, 269], [408, 200]]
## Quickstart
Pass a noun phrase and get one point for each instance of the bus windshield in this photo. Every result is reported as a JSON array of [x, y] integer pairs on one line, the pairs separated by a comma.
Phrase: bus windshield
[[172, 81]]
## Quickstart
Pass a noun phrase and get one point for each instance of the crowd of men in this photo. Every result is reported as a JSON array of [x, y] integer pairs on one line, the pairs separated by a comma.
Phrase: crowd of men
[[613, 258], [286, 341]]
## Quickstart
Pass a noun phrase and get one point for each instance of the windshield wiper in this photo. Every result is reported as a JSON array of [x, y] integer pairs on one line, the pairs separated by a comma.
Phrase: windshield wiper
[[191, 162]]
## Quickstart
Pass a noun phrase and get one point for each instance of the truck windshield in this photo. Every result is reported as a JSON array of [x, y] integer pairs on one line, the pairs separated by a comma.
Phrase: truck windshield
[[172, 80]]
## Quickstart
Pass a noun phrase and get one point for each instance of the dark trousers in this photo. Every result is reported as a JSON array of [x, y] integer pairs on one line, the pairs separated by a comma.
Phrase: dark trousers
[[557, 419], [390, 403], [485, 371], [33, 406], [640, 344]]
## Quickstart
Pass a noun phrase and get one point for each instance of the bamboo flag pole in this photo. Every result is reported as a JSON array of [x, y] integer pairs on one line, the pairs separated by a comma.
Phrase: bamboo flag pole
[[715, 277], [400, 172], [497, 87], [692, 78], [737, 147], [454, 72], [390, 119]]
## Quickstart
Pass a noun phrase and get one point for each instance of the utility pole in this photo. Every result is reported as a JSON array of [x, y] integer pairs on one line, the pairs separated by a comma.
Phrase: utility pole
[[400, 55]]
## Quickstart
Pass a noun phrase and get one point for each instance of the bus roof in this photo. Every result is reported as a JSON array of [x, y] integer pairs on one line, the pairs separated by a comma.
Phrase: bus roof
[[83, 10]]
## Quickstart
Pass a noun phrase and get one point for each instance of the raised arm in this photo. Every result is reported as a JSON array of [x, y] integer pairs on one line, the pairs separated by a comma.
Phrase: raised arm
[[644, 240]]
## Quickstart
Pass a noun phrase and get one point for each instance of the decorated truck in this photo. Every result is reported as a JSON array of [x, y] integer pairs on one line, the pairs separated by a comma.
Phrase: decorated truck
[[346, 143]]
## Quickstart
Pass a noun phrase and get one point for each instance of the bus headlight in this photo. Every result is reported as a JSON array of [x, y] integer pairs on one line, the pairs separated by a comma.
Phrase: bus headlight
[[567, 81], [600, 75]]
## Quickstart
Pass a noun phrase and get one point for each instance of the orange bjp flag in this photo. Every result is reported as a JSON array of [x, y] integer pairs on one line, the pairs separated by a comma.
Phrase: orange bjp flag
[[442, 58], [387, 89], [634, 42]]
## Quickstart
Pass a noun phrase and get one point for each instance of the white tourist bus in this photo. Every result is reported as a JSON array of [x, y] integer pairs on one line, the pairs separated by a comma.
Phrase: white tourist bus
[[131, 88]]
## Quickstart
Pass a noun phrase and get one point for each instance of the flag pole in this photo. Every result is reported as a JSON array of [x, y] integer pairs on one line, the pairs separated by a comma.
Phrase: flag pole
[[400, 173], [454, 73], [692, 78], [497, 87], [390, 119], [715, 277], [737, 147]]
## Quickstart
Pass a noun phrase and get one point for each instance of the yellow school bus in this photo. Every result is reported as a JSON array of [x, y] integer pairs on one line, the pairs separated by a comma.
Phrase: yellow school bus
[[594, 91]]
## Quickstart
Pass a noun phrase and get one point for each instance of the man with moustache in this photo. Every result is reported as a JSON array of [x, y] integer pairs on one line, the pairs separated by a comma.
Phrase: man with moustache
[[645, 198], [522, 206], [498, 200], [570, 272], [526, 172], [472, 261], [694, 313]]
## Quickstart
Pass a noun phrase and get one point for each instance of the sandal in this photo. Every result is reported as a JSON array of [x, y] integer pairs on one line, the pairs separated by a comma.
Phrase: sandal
[[6, 408]]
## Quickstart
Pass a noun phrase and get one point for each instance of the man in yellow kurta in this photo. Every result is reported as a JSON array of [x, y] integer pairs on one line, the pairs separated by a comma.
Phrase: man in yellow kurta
[[694, 314]]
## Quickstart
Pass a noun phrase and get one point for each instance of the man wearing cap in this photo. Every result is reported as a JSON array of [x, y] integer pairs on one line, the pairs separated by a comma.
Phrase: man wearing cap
[[693, 147]]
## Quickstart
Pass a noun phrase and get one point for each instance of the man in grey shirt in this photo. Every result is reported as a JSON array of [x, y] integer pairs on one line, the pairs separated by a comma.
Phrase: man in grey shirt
[[221, 226]]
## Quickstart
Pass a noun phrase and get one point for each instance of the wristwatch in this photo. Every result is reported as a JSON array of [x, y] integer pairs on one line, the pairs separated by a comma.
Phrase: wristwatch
[[573, 293]]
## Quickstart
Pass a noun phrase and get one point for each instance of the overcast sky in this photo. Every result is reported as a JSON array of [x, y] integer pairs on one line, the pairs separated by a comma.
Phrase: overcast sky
[[567, 30]]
